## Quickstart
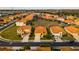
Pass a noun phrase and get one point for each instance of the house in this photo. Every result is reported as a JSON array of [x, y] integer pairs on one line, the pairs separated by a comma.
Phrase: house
[[23, 30], [21, 22], [49, 16], [39, 32], [76, 22], [56, 30], [73, 31], [29, 17], [5, 19], [17, 15], [60, 19], [69, 21]]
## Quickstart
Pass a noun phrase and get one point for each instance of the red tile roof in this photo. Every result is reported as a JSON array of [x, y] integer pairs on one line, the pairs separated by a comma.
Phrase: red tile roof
[[68, 21], [72, 29], [40, 29], [56, 29], [24, 28]]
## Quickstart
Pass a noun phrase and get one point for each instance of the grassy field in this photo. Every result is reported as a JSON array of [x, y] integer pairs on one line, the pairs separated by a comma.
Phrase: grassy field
[[10, 33]]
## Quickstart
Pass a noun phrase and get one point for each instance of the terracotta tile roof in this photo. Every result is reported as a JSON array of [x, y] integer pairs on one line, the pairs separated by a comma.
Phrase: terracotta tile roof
[[56, 29], [29, 17], [40, 29], [22, 20], [49, 16], [77, 22], [24, 28], [72, 29], [60, 18], [68, 21]]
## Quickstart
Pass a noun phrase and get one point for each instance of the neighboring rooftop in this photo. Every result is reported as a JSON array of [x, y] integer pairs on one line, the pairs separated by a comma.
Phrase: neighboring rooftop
[[72, 29], [56, 29], [77, 22], [27, 27], [69, 21]]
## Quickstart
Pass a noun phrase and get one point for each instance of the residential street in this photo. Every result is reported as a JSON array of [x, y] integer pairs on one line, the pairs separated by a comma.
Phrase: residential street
[[7, 25]]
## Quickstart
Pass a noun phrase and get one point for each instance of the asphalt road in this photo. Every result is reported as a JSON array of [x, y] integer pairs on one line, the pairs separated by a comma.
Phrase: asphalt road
[[2, 43], [6, 25]]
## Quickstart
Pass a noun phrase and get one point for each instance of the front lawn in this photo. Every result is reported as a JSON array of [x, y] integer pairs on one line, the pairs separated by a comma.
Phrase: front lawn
[[10, 33], [68, 38]]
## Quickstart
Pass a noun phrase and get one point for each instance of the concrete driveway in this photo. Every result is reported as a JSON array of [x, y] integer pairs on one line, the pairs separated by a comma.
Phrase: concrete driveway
[[76, 37], [25, 38], [37, 38], [58, 39]]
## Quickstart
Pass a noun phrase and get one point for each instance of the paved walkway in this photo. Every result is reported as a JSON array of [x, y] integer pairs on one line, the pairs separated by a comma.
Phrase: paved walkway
[[37, 38]]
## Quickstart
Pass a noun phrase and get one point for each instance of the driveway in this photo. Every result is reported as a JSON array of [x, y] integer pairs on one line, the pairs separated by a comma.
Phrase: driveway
[[76, 37], [58, 39], [25, 38], [37, 38]]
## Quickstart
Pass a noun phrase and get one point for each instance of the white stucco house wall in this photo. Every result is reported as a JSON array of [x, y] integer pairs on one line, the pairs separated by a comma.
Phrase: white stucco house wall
[[20, 24], [60, 19], [57, 36]]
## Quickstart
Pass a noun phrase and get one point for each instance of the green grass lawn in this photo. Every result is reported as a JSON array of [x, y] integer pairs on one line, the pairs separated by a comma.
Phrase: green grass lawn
[[10, 33], [45, 23], [68, 38]]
